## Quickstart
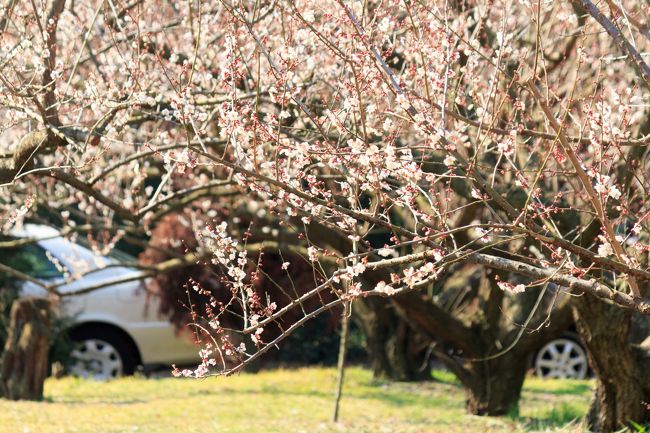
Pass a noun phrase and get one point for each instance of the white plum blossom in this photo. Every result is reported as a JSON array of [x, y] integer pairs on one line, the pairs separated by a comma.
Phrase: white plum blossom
[[614, 192], [476, 194], [449, 161], [511, 288], [382, 287], [312, 252], [605, 248], [506, 148]]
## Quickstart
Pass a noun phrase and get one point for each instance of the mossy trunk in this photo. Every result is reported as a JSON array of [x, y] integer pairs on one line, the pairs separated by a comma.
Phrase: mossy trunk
[[23, 366]]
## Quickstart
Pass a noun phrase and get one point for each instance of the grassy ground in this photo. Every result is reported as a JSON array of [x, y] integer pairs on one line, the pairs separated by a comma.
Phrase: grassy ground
[[298, 400]]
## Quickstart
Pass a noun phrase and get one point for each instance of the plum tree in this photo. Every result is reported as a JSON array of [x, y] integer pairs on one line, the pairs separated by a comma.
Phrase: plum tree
[[389, 145]]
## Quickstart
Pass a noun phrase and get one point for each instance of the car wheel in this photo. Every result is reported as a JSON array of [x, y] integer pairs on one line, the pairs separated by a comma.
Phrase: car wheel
[[101, 354], [562, 358]]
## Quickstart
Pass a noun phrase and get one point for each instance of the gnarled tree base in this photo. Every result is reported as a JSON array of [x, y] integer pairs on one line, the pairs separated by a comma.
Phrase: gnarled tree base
[[494, 387], [23, 367]]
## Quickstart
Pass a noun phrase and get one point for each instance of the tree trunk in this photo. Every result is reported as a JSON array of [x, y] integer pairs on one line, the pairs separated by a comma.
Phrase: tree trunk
[[395, 351], [621, 394], [494, 387], [23, 366], [340, 365], [488, 351], [407, 353]]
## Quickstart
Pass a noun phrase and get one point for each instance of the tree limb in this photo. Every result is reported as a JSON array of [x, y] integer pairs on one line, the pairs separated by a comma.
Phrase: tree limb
[[575, 285], [625, 45]]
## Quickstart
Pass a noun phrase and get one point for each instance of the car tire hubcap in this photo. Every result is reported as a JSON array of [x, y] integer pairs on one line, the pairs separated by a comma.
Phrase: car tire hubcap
[[561, 358], [96, 359]]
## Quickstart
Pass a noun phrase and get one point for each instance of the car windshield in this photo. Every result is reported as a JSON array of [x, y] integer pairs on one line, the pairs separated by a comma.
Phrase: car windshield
[[32, 260], [76, 256]]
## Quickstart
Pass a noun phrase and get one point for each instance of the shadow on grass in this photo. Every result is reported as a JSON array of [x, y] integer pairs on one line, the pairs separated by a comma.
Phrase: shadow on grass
[[95, 400]]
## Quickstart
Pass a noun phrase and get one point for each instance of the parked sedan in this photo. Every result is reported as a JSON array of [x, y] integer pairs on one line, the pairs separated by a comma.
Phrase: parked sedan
[[116, 327]]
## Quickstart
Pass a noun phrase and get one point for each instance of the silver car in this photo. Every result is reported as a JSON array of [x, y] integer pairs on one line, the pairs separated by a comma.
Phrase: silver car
[[117, 328]]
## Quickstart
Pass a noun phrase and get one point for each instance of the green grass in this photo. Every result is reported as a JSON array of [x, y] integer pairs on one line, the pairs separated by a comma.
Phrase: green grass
[[297, 400]]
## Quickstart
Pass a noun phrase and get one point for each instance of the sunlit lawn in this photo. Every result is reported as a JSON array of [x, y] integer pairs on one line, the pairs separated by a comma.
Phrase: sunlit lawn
[[297, 400]]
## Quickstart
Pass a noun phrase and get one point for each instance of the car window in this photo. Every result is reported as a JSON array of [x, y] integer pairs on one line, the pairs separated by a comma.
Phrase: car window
[[30, 259]]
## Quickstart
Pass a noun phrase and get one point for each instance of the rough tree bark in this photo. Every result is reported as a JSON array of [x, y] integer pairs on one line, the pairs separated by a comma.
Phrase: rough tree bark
[[493, 387], [23, 366], [622, 383]]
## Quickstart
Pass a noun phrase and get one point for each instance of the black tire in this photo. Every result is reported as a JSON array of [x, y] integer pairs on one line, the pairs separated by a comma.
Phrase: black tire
[[122, 344]]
